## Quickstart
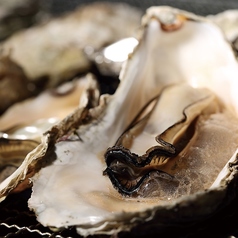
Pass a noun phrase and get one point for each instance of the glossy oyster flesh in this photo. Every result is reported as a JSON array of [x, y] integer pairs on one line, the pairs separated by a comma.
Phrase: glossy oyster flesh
[[166, 140], [169, 151], [54, 103]]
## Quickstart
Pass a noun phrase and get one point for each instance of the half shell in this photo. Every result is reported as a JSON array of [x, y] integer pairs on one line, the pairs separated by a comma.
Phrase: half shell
[[20, 135]]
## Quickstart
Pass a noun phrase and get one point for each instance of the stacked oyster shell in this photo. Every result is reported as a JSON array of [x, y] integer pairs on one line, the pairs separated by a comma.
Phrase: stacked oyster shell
[[161, 150]]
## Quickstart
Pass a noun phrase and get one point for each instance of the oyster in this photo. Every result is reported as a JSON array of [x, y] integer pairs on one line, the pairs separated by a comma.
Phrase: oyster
[[19, 135], [227, 21], [55, 50], [166, 140], [14, 85]]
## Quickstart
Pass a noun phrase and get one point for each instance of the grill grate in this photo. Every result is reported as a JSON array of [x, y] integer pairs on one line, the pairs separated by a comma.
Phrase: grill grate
[[16, 220]]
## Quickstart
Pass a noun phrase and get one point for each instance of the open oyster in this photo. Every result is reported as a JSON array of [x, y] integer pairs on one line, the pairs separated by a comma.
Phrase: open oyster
[[166, 140], [14, 85], [55, 50], [20, 134]]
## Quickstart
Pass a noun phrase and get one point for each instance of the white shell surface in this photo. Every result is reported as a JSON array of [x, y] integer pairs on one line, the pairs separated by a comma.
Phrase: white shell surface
[[72, 190], [227, 21]]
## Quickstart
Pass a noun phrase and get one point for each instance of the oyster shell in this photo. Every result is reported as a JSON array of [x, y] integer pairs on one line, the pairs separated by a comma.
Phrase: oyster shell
[[56, 49], [54, 103], [227, 21], [16, 15], [14, 84], [20, 135], [168, 91]]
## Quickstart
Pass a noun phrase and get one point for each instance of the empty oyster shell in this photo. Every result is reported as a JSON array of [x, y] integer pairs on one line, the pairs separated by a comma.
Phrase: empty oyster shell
[[155, 156], [171, 132], [52, 103], [227, 21]]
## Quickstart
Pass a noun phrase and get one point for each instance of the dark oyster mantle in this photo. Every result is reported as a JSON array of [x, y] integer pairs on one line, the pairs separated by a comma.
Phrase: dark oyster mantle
[[82, 97], [134, 174]]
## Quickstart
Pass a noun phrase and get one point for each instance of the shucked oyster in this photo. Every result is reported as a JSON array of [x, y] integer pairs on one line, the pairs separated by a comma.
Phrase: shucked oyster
[[56, 49], [20, 134], [166, 140], [52, 103]]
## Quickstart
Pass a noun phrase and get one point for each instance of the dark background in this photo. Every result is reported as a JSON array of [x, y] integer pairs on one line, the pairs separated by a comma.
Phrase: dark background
[[201, 7]]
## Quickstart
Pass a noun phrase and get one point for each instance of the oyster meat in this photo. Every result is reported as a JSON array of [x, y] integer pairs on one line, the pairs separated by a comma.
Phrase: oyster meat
[[227, 21], [164, 142]]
